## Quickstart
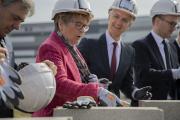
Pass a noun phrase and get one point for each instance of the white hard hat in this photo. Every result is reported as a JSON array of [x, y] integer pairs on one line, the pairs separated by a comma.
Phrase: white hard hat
[[38, 87], [79, 6], [128, 6], [165, 7]]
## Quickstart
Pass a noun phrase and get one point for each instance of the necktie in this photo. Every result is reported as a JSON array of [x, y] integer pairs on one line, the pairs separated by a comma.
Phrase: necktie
[[113, 62], [166, 54]]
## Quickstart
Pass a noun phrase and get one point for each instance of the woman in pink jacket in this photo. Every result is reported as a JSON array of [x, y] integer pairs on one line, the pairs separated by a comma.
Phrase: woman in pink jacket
[[71, 19]]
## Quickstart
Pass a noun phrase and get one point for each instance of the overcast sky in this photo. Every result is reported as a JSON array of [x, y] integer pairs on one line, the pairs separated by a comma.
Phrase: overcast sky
[[43, 9]]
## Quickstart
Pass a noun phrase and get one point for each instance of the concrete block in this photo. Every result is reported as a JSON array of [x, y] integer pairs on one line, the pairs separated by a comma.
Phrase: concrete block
[[39, 118], [171, 107], [112, 113]]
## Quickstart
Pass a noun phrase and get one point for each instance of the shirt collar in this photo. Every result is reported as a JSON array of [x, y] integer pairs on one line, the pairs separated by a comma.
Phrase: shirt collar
[[157, 38], [110, 40]]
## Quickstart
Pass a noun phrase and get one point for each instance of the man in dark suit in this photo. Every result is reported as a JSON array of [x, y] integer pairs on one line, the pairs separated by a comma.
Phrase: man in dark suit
[[12, 14], [108, 57], [155, 63], [176, 47]]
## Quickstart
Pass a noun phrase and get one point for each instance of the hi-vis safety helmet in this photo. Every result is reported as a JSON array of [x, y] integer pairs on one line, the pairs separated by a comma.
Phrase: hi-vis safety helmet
[[79, 6], [128, 6], [165, 7]]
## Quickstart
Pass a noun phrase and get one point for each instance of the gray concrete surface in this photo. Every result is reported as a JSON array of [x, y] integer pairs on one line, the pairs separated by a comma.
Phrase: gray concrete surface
[[41, 118], [171, 107], [112, 113]]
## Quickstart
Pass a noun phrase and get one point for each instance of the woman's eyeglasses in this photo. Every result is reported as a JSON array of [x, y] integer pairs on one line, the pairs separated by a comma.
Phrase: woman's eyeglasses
[[80, 26]]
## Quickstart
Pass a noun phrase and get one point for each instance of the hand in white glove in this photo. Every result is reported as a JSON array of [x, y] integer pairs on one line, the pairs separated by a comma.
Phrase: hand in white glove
[[176, 73], [93, 78], [109, 99]]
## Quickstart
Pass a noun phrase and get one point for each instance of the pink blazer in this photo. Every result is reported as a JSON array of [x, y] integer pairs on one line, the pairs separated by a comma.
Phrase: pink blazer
[[68, 80]]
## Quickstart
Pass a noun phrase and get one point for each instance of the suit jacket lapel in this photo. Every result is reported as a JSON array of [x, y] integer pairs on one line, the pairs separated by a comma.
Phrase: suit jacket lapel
[[67, 56], [178, 49], [155, 49], [103, 52]]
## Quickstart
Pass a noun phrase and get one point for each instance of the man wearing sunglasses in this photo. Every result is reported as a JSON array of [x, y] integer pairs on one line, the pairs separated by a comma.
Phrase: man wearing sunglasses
[[110, 58], [155, 62]]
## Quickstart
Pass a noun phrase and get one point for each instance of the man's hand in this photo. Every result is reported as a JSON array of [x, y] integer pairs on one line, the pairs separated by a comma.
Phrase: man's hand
[[176, 73], [10, 93], [142, 93], [51, 65], [104, 82]]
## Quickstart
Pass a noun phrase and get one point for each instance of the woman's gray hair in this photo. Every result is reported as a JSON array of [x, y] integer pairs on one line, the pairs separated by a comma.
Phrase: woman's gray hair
[[66, 17], [26, 4]]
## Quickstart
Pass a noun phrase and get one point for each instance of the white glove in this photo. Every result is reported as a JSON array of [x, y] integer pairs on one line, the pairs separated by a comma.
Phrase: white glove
[[176, 73], [109, 99], [93, 78]]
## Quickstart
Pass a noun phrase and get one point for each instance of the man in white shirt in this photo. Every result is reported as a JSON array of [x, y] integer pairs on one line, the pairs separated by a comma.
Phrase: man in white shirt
[[108, 57], [154, 62]]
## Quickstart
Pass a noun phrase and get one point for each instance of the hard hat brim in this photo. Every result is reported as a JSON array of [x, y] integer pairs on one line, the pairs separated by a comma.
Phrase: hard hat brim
[[165, 13], [73, 11]]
